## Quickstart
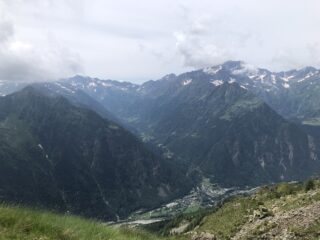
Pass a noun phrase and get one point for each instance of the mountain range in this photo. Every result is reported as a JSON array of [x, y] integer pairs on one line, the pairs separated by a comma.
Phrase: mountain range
[[227, 122], [232, 123]]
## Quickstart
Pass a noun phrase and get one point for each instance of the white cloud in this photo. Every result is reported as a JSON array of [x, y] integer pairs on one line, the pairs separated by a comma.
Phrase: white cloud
[[6, 31], [139, 40], [21, 60], [197, 47]]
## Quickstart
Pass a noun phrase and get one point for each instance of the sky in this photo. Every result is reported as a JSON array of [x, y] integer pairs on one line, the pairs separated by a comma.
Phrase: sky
[[139, 40]]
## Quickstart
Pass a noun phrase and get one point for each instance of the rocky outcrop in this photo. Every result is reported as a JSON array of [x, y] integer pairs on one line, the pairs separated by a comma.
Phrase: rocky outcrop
[[281, 224], [204, 236]]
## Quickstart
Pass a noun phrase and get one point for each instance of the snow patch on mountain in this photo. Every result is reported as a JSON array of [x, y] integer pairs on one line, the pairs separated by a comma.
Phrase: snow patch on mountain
[[105, 84], [92, 84], [186, 82], [309, 75], [64, 87], [232, 80], [217, 82], [287, 79], [286, 85], [262, 77]]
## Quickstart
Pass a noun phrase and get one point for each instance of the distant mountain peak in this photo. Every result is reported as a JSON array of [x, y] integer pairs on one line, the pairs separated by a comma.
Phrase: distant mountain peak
[[169, 76], [308, 69]]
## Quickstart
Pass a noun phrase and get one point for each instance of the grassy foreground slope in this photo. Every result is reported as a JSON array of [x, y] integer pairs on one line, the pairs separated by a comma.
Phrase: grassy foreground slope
[[26, 224], [280, 211]]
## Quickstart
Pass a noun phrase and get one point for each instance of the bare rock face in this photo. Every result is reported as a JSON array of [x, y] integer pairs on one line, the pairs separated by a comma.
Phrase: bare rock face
[[204, 236], [281, 224]]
